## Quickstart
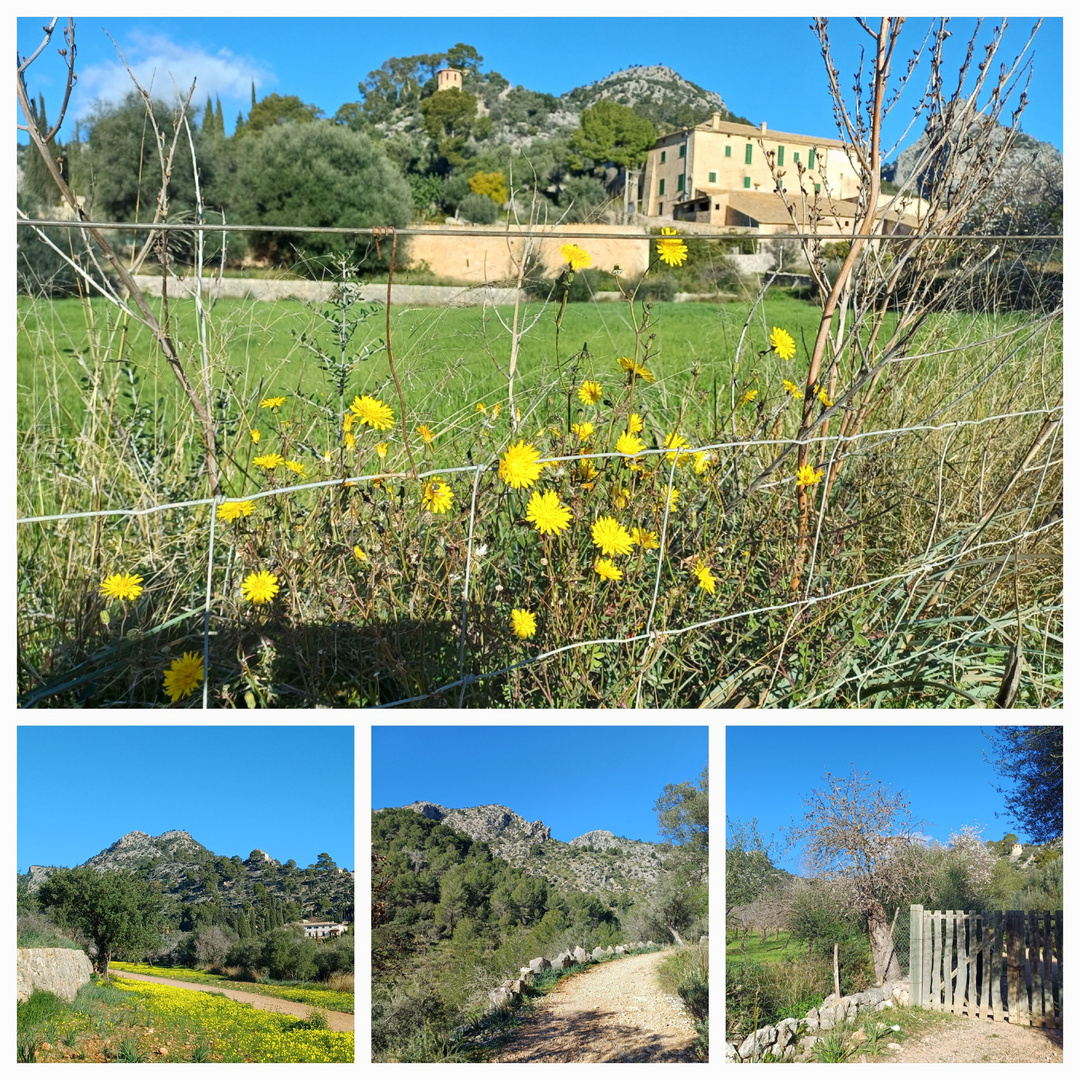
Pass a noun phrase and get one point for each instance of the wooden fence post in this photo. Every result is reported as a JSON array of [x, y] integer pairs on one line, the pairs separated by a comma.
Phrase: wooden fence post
[[915, 954], [1059, 985]]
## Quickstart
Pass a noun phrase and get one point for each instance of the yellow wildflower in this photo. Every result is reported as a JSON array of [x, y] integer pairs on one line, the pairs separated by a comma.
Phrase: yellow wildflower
[[671, 251], [607, 570], [782, 343], [577, 257], [590, 392], [519, 467]]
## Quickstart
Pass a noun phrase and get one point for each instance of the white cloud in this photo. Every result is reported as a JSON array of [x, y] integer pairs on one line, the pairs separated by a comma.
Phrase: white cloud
[[163, 67]]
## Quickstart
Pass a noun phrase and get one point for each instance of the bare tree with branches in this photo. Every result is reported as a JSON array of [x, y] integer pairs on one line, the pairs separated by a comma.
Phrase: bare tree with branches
[[855, 834], [141, 309]]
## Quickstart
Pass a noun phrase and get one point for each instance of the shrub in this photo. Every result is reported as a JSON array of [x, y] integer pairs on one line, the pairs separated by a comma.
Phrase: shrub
[[479, 209]]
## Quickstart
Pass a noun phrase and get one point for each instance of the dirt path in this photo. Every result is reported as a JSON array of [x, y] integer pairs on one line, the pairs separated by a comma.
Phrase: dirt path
[[978, 1041], [338, 1021], [612, 1012]]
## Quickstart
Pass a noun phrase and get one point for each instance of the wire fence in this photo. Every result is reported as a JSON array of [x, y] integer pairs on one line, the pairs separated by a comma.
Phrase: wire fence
[[948, 546]]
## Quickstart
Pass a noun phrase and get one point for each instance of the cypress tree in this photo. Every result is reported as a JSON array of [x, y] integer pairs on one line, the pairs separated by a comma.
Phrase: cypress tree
[[219, 119], [208, 117], [37, 182]]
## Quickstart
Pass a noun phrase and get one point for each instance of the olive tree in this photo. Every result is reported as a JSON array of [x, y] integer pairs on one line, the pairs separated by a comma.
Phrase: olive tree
[[117, 911], [316, 174], [856, 835]]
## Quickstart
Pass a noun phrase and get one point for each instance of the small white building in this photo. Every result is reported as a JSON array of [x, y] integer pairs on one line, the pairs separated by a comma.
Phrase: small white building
[[319, 928]]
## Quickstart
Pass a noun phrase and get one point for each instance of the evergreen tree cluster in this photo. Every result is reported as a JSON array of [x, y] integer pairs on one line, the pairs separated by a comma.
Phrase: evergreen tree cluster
[[403, 151], [436, 884]]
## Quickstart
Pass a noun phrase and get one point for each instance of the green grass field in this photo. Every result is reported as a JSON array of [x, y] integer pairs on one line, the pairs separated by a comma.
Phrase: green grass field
[[768, 952], [372, 577]]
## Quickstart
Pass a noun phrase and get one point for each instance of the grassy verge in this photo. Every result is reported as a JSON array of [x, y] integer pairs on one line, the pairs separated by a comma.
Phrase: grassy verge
[[471, 1034], [686, 973], [870, 1038], [139, 1022], [304, 993]]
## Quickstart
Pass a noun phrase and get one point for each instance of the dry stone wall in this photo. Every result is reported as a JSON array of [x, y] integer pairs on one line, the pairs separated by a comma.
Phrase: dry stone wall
[[793, 1040], [60, 971], [508, 994]]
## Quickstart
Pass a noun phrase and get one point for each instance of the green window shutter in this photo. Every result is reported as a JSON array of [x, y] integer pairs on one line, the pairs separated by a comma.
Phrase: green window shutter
[[779, 155], [661, 187], [749, 153], [796, 155], [817, 189], [746, 181], [663, 156], [712, 178], [727, 151], [682, 150], [679, 182], [811, 160]]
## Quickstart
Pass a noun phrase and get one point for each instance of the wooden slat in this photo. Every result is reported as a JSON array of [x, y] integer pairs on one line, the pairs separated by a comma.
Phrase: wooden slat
[[947, 1001], [915, 954], [1059, 983], [960, 1001], [1036, 954], [927, 958], [935, 970], [1000, 977], [1015, 967]]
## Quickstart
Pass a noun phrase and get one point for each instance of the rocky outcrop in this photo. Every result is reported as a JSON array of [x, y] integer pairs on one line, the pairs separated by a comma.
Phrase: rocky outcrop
[[595, 860], [793, 1040], [599, 838], [60, 971]]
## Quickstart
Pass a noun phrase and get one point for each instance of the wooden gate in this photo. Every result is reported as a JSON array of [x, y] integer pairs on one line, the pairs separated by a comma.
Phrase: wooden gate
[[994, 965]]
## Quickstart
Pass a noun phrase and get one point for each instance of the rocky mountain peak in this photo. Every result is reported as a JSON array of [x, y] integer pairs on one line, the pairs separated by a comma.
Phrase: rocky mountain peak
[[588, 862], [600, 838], [487, 823]]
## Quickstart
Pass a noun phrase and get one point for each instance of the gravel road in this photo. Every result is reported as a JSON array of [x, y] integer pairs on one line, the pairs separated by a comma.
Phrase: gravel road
[[977, 1041], [338, 1021], [615, 1011]]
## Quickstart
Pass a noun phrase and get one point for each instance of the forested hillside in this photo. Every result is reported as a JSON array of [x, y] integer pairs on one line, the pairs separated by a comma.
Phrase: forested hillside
[[202, 889], [450, 919]]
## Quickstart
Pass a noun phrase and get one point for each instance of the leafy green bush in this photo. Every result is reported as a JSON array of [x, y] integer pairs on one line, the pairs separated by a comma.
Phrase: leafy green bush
[[315, 1021], [479, 209]]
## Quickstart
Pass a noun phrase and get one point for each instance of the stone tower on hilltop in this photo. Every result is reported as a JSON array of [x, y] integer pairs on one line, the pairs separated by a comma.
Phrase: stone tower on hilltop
[[449, 79]]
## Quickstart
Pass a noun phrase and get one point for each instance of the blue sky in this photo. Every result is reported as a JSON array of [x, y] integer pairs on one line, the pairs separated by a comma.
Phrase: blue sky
[[764, 68], [574, 779], [941, 769], [287, 790]]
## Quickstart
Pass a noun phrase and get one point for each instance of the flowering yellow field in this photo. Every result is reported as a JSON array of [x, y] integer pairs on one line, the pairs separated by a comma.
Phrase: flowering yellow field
[[333, 1000], [237, 1031]]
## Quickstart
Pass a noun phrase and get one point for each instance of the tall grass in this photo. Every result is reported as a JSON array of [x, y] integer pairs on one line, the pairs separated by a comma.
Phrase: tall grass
[[372, 606]]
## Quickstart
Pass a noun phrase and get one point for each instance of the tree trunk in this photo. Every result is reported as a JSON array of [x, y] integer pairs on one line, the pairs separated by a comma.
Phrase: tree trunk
[[886, 964], [675, 934], [102, 961]]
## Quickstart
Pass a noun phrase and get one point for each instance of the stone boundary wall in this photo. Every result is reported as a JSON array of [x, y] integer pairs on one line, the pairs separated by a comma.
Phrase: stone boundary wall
[[793, 1040], [508, 994], [318, 292], [60, 971]]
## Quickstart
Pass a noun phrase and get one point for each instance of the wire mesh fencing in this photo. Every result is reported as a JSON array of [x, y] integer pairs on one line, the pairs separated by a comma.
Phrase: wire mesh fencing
[[542, 503]]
